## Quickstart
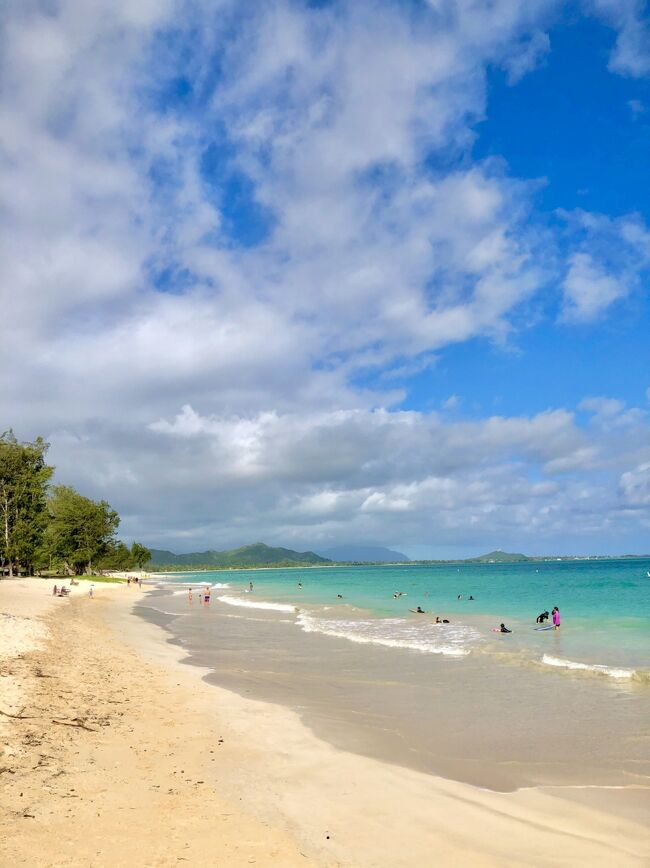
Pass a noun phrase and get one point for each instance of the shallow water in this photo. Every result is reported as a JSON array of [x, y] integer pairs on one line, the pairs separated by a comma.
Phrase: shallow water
[[605, 607], [458, 700]]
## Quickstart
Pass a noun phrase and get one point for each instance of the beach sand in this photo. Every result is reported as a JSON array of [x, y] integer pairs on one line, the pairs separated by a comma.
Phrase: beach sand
[[118, 754]]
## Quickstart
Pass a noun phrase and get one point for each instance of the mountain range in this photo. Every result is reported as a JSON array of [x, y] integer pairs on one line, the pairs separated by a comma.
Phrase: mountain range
[[261, 555], [257, 554], [356, 553]]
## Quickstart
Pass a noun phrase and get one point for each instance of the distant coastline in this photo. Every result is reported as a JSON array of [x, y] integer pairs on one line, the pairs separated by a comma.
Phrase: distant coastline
[[292, 565]]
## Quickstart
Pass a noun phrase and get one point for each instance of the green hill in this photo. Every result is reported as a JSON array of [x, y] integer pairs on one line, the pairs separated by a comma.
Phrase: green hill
[[499, 557], [256, 555]]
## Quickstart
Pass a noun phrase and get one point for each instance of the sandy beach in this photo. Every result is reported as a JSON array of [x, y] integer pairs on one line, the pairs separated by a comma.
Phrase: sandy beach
[[116, 753]]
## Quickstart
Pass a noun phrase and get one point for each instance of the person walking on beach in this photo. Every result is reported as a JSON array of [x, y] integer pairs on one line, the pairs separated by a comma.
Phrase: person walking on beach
[[91, 591], [556, 618], [190, 595]]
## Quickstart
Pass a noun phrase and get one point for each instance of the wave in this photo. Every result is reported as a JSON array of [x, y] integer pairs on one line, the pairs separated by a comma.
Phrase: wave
[[596, 668], [200, 586], [248, 604], [395, 633]]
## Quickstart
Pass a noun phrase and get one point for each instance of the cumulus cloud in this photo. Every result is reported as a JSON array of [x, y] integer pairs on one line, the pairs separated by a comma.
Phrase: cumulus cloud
[[216, 222], [611, 257], [311, 478], [635, 486], [631, 54]]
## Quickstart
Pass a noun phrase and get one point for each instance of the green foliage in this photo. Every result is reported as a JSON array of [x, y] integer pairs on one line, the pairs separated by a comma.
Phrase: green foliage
[[81, 531], [255, 555], [24, 476], [140, 555], [116, 557]]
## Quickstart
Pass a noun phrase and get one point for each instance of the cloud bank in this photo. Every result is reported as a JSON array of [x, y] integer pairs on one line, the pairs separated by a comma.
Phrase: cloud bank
[[228, 238]]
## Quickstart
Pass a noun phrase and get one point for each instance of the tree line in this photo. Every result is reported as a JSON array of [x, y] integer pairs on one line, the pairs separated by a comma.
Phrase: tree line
[[53, 527]]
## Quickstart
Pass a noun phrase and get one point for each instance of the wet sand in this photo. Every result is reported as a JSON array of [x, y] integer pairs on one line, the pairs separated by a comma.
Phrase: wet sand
[[150, 765], [472, 719]]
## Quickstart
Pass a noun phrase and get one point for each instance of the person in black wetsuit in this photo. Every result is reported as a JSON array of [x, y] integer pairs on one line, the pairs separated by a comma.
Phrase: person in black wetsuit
[[543, 616], [504, 629]]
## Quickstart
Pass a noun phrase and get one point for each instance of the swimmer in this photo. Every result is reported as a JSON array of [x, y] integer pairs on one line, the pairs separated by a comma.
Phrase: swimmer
[[420, 610], [339, 596], [300, 584], [470, 597], [460, 597], [543, 616], [504, 629], [438, 621]]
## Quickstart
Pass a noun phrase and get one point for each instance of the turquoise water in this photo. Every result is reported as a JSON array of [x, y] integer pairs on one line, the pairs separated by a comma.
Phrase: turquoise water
[[605, 608]]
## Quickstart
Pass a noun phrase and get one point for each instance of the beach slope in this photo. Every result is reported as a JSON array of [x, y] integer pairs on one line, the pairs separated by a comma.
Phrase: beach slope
[[115, 753]]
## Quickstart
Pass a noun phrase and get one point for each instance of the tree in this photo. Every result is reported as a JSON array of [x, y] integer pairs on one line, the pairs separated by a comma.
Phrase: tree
[[24, 476], [140, 555], [116, 557], [80, 530]]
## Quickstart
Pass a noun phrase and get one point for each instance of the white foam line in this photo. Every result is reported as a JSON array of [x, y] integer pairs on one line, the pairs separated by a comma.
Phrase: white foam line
[[424, 647], [588, 667], [273, 607]]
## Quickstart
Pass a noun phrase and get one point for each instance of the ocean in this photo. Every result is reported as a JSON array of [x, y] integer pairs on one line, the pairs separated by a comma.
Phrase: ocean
[[527, 708], [604, 604]]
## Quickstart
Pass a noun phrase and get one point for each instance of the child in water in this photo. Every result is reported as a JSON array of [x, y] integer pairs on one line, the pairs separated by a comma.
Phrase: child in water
[[556, 618]]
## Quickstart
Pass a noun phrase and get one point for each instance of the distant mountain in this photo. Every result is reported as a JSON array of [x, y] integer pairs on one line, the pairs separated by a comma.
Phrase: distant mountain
[[254, 555], [499, 557], [377, 554]]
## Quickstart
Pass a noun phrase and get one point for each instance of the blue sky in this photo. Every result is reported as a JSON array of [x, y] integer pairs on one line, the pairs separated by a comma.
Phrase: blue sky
[[319, 273]]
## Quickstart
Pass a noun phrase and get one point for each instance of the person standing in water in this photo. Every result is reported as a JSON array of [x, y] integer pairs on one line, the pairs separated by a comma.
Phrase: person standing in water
[[250, 586], [556, 618]]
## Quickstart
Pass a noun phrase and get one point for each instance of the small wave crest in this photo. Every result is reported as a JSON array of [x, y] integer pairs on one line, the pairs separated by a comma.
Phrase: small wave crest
[[186, 587], [249, 604], [395, 633], [595, 668]]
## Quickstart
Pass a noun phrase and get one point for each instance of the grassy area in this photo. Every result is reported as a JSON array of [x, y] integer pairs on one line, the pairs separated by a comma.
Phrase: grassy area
[[54, 576]]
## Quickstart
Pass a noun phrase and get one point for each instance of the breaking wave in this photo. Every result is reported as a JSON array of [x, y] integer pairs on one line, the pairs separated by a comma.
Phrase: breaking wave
[[450, 640], [596, 668], [249, 604]]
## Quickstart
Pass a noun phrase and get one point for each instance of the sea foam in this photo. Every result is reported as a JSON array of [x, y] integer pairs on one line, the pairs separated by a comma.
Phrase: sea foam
[[249, 604], [443, 639], [596, 668]]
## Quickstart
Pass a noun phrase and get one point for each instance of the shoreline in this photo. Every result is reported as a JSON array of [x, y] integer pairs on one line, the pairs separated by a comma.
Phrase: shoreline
[[284, 791], [466, 719]]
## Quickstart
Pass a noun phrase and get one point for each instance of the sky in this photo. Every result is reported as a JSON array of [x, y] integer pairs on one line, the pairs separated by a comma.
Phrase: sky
[[316, 273]]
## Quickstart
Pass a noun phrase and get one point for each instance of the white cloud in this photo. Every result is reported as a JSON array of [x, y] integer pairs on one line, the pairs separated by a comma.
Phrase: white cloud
[[588, 289], [220, 401], [631, 54], [611, 257], [635, 486]]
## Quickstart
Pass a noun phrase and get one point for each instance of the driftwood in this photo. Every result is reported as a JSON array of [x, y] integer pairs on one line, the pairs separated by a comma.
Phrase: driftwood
[[19, 716], [74, 722]]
